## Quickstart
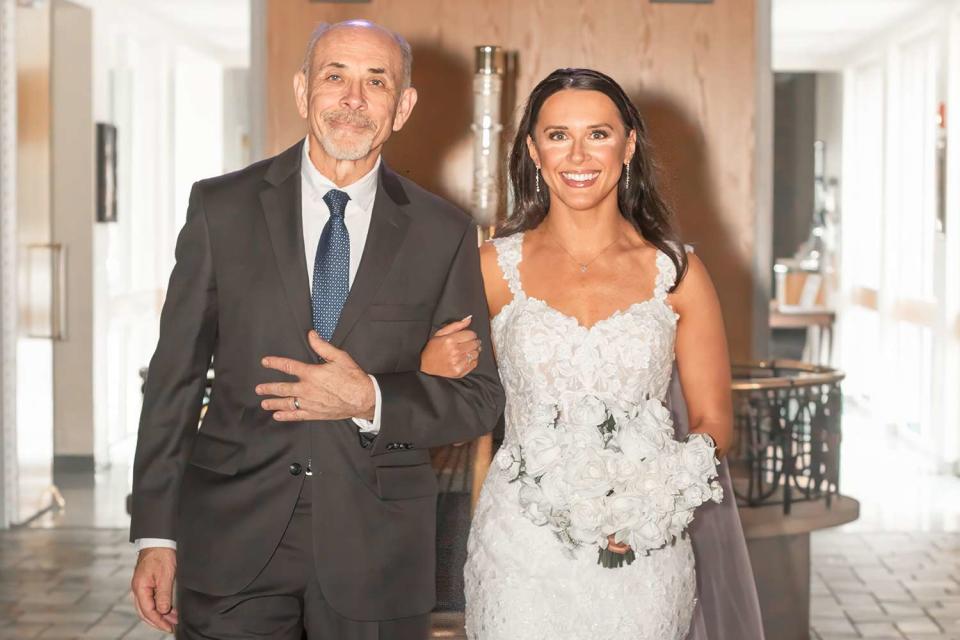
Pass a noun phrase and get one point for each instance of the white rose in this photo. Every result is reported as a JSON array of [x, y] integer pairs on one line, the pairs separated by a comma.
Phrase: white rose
[[584, 439], [586, 521], [531, 499], [623, 511], [541, 449], [680, 520], [716, 492], [587, 412], [699, 458], [621, 471], [654, 412], [544, 414], [650, 533], [508, 460], [695, 495], [637, 445], [681, 479], [555, 489], [586, 474]]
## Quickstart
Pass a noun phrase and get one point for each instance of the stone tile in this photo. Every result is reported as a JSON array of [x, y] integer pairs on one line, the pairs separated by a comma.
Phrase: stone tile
[[919, 626], [836, 626], [878, 630], [143, 631], [17, 630]]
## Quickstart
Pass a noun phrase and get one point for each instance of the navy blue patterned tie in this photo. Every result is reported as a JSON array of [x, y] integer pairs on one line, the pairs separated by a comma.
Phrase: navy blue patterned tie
[[331, 267]]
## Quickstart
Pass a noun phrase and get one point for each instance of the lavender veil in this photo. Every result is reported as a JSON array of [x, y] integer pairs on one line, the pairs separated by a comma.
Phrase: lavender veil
[[727, 605]]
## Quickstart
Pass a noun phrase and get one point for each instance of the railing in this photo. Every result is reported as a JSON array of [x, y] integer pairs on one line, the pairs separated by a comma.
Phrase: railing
[[787, 422]]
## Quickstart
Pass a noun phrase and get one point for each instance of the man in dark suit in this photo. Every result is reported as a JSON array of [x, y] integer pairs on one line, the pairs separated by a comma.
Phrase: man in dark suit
[[306, 501]]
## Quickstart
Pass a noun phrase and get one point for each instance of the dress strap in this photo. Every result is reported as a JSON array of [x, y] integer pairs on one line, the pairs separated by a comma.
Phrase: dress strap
[[666, 273], [509, 254]]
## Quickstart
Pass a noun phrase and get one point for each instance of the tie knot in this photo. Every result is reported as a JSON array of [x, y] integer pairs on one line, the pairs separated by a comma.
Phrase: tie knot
[[337, 202]]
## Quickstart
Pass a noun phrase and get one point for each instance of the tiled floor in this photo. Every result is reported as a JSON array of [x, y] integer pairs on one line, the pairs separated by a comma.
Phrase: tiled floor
[[886, 585], [893, 574], [74, 583]]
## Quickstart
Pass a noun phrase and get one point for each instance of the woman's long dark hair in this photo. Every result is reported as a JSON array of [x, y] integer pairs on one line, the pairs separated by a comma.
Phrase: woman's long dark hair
[[640, 204]]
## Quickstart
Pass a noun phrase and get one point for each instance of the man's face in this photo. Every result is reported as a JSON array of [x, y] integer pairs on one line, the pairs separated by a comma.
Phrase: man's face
[[353, 98]]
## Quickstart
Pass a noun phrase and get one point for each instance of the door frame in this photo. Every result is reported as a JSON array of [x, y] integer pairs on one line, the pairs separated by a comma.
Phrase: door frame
[[8, 260]]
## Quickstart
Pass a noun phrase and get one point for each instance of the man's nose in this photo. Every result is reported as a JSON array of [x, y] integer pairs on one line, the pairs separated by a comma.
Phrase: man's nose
[[353, 97]]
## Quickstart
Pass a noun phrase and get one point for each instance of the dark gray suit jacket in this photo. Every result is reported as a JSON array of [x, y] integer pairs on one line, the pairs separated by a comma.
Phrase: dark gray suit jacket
[[239, 292]]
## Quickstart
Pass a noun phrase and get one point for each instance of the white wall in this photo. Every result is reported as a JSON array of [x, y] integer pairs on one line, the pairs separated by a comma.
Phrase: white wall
[[164, 91], [72, 206], [901, 316]]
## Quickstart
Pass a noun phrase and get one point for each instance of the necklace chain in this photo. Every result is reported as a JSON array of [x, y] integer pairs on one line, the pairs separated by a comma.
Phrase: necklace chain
[[583, 265]]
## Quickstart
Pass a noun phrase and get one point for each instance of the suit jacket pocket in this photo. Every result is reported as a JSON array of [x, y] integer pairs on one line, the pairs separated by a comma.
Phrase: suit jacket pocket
[[216, 454], [408, 482], [399, 312]]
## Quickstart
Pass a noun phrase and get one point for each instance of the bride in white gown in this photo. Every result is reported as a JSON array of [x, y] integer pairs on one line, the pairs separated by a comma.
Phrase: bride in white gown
[[590, 294]]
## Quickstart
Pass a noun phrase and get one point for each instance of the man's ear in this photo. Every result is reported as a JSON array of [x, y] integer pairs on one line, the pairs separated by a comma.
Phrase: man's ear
[[408, 100], [532, 150], [300, 93]]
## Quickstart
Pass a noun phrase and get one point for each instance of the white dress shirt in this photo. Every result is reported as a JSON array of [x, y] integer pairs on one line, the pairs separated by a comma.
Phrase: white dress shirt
[[313, 186]]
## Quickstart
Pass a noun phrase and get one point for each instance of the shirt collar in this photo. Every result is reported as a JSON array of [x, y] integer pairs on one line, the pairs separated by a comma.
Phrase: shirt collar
[[362, 192]]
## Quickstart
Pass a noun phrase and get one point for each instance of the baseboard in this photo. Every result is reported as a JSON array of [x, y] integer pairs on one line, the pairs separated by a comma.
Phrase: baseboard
[[72, 464]]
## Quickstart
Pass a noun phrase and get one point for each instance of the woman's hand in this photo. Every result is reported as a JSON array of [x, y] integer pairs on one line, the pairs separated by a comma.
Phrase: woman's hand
[[452, 352], [616, 547]]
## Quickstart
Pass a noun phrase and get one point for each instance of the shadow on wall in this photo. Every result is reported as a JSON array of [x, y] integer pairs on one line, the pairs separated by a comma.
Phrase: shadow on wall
[[438, 132], [684, 175], [436, 143]]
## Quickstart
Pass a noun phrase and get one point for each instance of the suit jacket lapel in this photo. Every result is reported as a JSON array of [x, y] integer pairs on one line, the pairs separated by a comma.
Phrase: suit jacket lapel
[[388, 228], [282, 209]]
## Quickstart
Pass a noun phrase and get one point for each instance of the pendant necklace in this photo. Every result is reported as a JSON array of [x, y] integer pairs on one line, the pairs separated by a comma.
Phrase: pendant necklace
[[583, 265]]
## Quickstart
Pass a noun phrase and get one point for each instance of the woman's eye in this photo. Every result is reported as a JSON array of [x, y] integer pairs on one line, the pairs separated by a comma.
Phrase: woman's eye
[[598, 135], [557, 135]]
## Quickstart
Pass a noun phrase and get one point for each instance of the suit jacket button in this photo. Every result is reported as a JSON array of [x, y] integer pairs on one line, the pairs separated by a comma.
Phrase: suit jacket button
[[295, 469]]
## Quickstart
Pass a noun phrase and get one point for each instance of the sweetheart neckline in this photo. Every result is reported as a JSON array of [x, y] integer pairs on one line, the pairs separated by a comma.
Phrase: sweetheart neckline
[[576, 321]]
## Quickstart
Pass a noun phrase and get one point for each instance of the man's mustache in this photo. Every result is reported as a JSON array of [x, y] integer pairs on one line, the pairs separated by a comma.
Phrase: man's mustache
[[351, 118]]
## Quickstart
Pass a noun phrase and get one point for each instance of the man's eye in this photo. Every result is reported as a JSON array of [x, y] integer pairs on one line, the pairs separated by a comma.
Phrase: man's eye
[[333, 77], [377, 82]]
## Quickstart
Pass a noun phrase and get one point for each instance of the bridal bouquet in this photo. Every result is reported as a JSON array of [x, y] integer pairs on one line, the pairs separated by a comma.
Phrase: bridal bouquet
[[589, 471]]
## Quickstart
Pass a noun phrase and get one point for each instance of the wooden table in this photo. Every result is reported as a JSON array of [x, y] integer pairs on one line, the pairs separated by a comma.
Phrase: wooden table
[[818, 321]]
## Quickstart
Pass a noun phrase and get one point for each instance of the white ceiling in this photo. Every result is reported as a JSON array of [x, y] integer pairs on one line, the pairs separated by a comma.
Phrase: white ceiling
[[814, 34], [219, 27], [225, 24], [807, 34]]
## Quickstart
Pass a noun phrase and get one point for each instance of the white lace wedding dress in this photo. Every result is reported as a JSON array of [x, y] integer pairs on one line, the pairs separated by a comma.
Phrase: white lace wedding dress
[[520, 583]]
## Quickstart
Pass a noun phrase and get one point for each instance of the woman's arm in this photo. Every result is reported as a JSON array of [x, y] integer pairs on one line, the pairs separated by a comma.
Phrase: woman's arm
[[702, 357], [454, 350]]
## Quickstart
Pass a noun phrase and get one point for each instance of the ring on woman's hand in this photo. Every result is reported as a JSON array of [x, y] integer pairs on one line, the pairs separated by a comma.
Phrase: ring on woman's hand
[[470, 357], [296, 403]]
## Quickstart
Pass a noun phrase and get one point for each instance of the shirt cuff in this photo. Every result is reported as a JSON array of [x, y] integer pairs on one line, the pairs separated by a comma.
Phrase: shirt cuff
[[365, 425], [149, 543]]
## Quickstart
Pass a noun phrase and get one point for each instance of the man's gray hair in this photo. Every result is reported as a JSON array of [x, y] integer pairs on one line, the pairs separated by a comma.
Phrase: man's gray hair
[[406, 53]]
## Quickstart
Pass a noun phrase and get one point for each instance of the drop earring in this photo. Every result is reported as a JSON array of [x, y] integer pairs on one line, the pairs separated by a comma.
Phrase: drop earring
[[538, 180], [626, 182]]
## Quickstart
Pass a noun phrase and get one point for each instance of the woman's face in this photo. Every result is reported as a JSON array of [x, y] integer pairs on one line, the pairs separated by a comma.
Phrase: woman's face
[[581, 145]]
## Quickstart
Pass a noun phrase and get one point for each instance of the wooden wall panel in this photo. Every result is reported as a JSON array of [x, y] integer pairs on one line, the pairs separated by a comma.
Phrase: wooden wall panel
[[691, 68]]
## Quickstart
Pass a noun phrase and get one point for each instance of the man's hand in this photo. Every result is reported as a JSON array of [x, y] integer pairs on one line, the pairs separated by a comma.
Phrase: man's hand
[[152, 587], [335, 390]]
